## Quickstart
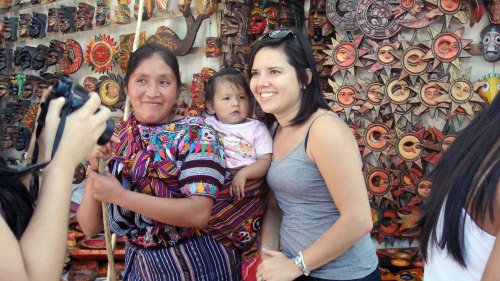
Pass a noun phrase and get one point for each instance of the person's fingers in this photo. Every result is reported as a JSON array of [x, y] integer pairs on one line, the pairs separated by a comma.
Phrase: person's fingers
[[237, 191], [45, 94], [242, 191], [231, 190], [103, 114], [269, 253], [55, 108], [91, 105]]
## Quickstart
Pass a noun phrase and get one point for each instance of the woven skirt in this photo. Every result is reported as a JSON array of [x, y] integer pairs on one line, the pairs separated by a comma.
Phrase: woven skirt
[[197, 259]]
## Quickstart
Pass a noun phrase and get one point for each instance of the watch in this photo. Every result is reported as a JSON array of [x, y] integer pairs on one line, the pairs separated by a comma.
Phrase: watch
[[300, 263]]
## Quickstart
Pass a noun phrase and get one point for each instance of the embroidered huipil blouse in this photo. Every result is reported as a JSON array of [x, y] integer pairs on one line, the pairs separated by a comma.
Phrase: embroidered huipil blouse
[[178, 159]]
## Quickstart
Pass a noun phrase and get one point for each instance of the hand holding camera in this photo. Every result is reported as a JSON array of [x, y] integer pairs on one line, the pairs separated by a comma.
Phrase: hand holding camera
[[83, 113]]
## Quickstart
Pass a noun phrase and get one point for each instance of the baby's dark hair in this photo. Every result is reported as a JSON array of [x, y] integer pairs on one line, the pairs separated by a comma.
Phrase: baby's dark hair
[[231, 75]]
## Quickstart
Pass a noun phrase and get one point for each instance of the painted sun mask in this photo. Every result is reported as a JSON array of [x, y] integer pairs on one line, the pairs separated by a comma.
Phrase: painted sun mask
[[490, 43]]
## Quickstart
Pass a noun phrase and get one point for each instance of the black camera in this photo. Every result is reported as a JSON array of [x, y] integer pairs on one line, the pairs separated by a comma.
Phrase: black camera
[[75, 97]]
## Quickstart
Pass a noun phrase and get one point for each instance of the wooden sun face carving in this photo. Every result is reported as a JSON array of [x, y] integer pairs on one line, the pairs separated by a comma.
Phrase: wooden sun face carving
[[430, 94], [461, 90], [446, 142], [449, 6], [423, 188], [409, 147], [413, 62], [345, 55], [398, 91], [378, 181], [345, 96], [373, 93], [384, 55], [447, 47]]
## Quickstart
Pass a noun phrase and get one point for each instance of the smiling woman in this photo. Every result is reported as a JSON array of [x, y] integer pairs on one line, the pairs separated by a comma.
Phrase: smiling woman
[[309, 213], [167, 171]]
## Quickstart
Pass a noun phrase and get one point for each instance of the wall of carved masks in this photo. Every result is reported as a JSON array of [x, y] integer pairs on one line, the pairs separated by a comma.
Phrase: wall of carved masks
[[405, 75]]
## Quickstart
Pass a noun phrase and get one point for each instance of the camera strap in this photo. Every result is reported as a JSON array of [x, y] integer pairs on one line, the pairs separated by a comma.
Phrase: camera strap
[[35, 180]]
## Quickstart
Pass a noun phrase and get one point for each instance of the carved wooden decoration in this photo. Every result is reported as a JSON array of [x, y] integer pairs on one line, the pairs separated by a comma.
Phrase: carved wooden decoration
[[431, 96], [168, 38], [376, 19], [102, 53], [345, 55], [489, 90], [415, 14], [446, 47], [342, 14], [382, 56], [345, 99], [397, 94], [373, 139]]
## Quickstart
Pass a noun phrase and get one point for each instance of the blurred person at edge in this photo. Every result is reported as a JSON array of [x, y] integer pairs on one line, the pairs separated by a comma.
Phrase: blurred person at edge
[[461, 221], [33, 234]]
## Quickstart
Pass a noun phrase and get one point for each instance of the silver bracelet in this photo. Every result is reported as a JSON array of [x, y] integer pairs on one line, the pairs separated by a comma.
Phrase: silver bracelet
[[301, 264]]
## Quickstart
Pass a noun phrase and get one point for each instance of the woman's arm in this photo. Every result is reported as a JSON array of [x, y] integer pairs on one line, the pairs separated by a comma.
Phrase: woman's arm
[[39, 254], [192, 211], [492, 270], [89, 213], [270, 235]]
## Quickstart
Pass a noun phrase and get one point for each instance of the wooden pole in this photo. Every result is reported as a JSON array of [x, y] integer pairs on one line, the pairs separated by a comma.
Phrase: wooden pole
[[111, 240]]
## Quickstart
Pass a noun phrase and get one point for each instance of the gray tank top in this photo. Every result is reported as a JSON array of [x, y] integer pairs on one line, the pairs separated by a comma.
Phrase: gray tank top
[[309, 210]]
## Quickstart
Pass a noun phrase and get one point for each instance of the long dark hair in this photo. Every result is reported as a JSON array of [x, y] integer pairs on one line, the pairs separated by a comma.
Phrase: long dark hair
[[299, 55], [466, 178], [146, 51], [15, 199]]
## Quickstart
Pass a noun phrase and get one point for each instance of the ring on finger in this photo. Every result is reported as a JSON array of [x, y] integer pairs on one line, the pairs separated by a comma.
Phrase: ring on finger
[[261, 278]]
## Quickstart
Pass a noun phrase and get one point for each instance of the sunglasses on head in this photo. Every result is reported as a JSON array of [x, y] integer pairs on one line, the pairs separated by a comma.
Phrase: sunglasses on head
[[277, 34]]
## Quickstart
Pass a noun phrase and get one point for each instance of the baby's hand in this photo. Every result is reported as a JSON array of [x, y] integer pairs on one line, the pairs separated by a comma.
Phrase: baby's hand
[[238, 186]]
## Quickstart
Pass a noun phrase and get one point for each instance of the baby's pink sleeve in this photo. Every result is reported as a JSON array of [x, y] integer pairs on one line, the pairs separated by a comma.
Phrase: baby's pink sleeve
[[263, 142]]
